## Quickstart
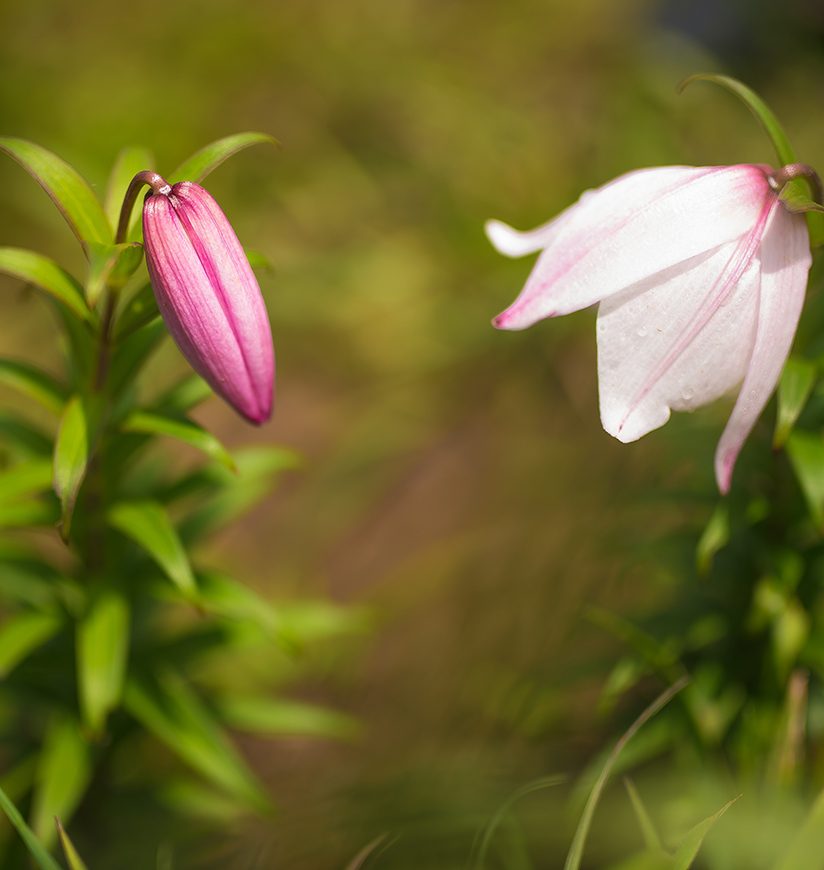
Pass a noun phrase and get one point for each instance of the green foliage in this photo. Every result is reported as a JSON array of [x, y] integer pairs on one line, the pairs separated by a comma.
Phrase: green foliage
[[98, 653]]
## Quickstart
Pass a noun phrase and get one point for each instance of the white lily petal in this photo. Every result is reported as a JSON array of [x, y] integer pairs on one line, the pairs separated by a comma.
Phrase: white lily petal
[[676, 341], [785, 262], [515, 243], [640, 224]]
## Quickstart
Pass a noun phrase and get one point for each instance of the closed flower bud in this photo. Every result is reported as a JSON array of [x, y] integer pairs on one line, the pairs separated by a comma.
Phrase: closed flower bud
[[208, 295]]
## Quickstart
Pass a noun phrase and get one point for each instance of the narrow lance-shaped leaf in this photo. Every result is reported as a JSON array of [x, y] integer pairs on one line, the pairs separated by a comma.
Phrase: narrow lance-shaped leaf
[[63, 775], [22, 634], [170, 710], [137, 312], [34, 383], [129, 162], [207, 159], [36, 848], [68, 190], [688, 849], [715, 537], [74, 860], [47, 275], [275, 716], [25, 479], [71, 458], [102, 649], [23, 437], [111, 266], [149, 526], [806, 452], [182, 429], [652, 840], [794, 388]]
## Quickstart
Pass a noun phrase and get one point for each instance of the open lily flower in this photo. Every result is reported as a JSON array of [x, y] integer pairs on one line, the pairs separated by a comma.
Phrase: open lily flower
[[700, 273]]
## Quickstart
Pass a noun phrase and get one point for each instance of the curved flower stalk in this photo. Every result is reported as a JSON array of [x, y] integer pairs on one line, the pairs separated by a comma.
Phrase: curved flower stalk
[[208, 295], [700, 273]]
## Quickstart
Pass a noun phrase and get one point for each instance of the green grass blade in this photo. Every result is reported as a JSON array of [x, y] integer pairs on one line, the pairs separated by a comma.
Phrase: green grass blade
[[36, 848]]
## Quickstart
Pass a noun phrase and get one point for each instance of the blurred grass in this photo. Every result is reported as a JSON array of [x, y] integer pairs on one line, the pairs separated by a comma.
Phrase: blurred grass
[[456, 478]]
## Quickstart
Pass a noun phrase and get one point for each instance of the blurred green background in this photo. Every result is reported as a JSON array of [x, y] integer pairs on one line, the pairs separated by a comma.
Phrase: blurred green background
[[456, 480]]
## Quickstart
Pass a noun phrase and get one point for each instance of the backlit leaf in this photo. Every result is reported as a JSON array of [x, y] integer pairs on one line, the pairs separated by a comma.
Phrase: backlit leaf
[[47, 275], [207, 159], [71, 457]]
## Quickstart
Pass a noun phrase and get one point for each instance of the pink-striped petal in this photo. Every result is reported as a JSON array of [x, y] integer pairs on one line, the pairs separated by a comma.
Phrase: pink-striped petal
[[638, 225], [676, 341], [785, 263]]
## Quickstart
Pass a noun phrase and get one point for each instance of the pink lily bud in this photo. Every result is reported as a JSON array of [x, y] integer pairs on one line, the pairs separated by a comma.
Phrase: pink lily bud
[[700, 274], [208, 296]]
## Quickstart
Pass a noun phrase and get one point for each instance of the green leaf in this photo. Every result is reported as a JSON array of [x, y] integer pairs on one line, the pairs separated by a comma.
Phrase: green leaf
[[576, 850], [111, 266], [275, 716], [651, 839], [128, 163], [34, 512], [34, 383], [169, 709], [22, 634], [184, 395], [806, 452], [71, 458], [23, 436], [74, 860], [485, 840], [715, 537], [25, 479], [806, 851], [202, 162], [149, 526], [793, 191], [68, 190], [182, 429], [64, 772], [256, 471], [132, 353], [36, 848], [140, 310], [794, 388], [200, 801], [102, 650], [47, 275], [689, 847]]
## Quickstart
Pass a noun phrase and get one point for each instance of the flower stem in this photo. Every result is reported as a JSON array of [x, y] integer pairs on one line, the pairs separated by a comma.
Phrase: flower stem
[[800, 170]]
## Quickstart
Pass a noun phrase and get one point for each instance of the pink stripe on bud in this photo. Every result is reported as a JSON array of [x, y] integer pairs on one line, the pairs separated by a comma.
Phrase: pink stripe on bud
[[209, 297]]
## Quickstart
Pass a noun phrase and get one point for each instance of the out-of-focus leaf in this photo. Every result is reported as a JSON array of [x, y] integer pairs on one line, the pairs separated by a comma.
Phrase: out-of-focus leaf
[[26, 579], [68, 190], [482, 843], [648, 831], [24, 436], [794, 388], [140, 310], [787, 763], [625, 674], [790, 633], [32, 512], [74, 860], [128, 163], [23, 633], [688, 849], [371, 849], [659, 655], [34, 383], [256, 469], [111, 266], [806, 452], [576, 849], [47, 275], [71, 458], [200, 801], [36, 848], [169, 709], [806, 851], [771, 126], [219, 594], [102, 649], [258, 261], [148, 524], [275, 716], [132, 353], [25, 478], [207, 159], [63, 774], [182, 429], [715, 537], [184, 395]]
